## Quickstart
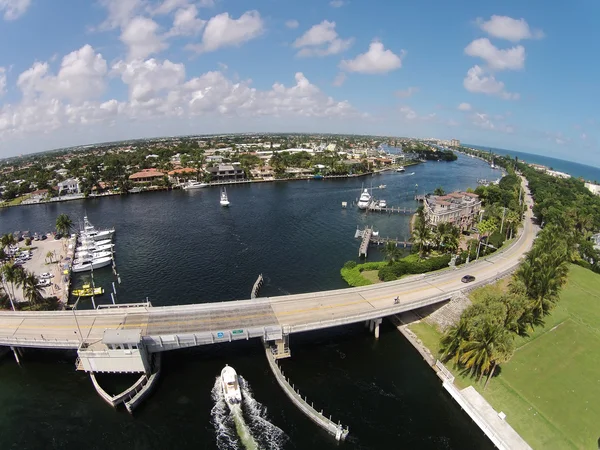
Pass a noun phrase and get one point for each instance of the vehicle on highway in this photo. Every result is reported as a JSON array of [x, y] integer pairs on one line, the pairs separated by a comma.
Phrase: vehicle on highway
[[467, 278]]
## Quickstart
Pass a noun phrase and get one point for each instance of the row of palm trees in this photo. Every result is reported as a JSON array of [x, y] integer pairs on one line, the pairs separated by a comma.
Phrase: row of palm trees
[[484, 336], [15, 277]]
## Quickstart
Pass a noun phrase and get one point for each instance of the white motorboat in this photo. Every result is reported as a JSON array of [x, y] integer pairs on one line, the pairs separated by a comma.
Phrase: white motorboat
[[94, 248], [224, 200], [90, 231], [231, 386], [89, 264], [401, 169], [194, 185], [89, 243], [382, 186], [79, 256], [382, 204], [364, 200]]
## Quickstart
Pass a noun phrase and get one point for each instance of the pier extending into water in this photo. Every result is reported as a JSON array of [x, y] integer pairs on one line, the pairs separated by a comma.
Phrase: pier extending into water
[[336, 429], [369, 236], [366, 239], [374, 207], [257, 285]]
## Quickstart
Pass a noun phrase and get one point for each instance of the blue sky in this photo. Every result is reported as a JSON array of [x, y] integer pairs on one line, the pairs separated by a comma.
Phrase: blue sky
[[512, 74]]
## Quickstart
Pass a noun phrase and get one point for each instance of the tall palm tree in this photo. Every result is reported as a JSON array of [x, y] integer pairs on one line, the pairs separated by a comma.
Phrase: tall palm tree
[[31, 289], [453, 340], [13, 275], [512, 220], [421, 235], [392, 252], [64, 224], [482, 351]]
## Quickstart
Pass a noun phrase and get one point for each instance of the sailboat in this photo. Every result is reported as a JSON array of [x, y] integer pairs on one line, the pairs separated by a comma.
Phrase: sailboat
[[224, 200]]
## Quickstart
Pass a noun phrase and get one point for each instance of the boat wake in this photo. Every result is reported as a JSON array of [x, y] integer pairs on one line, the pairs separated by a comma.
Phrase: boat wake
[[412, 173], [245, 426]]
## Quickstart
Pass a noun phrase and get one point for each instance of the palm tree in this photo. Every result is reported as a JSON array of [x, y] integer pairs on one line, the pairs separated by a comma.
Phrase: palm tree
[[63, 224], [421, 235], [392, 252], [439, 191], [488, 345], [31, 289], [512, 220], [7, 239], [49, 257], [453, 340], [14, 275]]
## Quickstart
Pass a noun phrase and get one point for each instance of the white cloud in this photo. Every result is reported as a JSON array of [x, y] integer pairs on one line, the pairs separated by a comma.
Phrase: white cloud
[[408, 113], [165, 7], [82, 76], [147, 79], [186, 22], [405, 93], [2, 81], [223, 31], [292, 24], [508, 59], [478, 82], [321, 40], [13, 9], [120, 12], [376, 60], [336, 3], [141, 37], [464, 107], [484, 121], [505, 27], [339, 79]]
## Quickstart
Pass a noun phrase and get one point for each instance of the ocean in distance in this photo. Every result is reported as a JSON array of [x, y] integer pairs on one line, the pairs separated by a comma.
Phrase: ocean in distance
[[575, 169], [181, 247]]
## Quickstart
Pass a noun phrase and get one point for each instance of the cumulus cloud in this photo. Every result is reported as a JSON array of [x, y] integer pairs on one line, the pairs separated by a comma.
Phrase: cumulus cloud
[[405, 93], [13, 9], [464, 107], [408, 113], [292, 24], [141, 37], [223, 31], [321, 40], [508, 59], [505, 27], [484, 121], [186, 22], [376, 60], [120, 12], [478, 82], [82, 75]]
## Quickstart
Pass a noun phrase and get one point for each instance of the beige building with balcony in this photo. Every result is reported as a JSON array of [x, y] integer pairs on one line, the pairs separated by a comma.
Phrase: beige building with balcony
[[458, 208]]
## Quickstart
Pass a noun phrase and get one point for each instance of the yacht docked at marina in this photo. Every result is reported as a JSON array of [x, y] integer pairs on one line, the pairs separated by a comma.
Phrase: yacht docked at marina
[[89, 231], [231, 386], [194, 185], [364, 200], [95, 249]]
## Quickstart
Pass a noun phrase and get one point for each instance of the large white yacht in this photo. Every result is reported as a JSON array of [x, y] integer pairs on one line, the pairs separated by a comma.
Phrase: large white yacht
[[97, 235], [231, 386], [364, 200], [92, 263]]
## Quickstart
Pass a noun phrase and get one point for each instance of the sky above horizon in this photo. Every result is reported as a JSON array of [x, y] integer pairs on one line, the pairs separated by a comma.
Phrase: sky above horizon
[[514, 75]]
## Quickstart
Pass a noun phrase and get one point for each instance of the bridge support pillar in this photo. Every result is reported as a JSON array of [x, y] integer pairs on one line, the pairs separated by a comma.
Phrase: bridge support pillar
[[376, 323], [282, 347], [16, 352]]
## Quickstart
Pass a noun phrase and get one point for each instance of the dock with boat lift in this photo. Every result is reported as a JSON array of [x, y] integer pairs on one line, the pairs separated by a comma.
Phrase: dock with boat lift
[[374, 207], [369, 236], [366, 239]]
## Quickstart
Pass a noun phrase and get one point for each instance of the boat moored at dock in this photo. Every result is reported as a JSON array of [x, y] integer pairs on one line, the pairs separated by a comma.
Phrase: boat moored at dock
[[365, 200], [87, 291], [194, 185], [91, 264]]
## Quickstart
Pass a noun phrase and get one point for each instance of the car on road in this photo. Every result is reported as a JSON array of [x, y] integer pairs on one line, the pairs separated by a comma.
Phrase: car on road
[[467, 279]]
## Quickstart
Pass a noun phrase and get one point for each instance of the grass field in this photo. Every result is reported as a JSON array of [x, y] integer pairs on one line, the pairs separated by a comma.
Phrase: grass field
[[549, 388]]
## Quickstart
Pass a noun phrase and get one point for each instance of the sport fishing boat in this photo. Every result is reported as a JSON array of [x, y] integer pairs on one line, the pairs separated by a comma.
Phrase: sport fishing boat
[[194, 185], [364, 200], [401, 169], [90, 231], [224, 200], [89, 264], [87, 291], [231, 386]]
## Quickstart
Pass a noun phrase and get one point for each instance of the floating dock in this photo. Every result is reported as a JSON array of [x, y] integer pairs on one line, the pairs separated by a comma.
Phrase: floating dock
[[366, 239], [368, 236], [374, 207]]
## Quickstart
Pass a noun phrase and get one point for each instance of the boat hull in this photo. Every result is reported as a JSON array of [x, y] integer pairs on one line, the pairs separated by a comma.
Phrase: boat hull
[[231, 387], [187, 187], [86, 267]]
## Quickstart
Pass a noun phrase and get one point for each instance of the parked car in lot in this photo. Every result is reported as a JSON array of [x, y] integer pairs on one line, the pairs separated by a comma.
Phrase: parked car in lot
[[467, 279], [44, 283], [46, 275]]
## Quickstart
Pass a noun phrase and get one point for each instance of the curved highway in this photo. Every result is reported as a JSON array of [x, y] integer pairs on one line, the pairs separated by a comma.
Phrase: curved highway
[[169, 327]]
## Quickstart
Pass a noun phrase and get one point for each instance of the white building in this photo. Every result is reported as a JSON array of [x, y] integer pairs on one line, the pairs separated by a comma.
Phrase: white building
[[557, 174], [69, 186], [594, 188]]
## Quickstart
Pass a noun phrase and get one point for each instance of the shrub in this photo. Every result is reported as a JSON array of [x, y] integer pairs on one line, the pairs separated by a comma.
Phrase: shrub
[[408, 265], [350, 265], [352, 275], [28, 242], [496, 239]]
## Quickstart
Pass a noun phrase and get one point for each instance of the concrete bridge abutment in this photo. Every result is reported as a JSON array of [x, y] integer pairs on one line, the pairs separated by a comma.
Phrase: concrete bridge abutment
[[373, 326]]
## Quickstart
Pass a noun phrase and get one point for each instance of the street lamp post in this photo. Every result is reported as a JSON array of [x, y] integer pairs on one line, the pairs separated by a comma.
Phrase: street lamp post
[[479, 246], [76, 321]]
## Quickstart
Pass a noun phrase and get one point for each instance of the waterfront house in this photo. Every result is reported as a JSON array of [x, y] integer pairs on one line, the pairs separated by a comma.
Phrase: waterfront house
[[69, 186], [182, 173], [146, 176], [459, 208], [231, 171], [264, 172]]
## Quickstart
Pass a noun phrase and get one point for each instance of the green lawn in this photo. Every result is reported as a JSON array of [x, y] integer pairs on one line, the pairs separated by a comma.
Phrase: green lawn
[[549, 387]]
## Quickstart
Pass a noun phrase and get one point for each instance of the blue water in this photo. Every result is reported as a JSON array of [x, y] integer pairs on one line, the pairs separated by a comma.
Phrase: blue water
[[588, 173]]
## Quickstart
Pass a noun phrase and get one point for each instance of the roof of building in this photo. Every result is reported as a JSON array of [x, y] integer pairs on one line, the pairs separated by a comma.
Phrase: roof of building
[[182, 170], [146, 173]]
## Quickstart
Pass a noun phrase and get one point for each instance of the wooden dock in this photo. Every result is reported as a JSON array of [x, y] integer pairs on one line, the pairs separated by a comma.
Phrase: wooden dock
[[364, 245], [256, 288], [373, 207]]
